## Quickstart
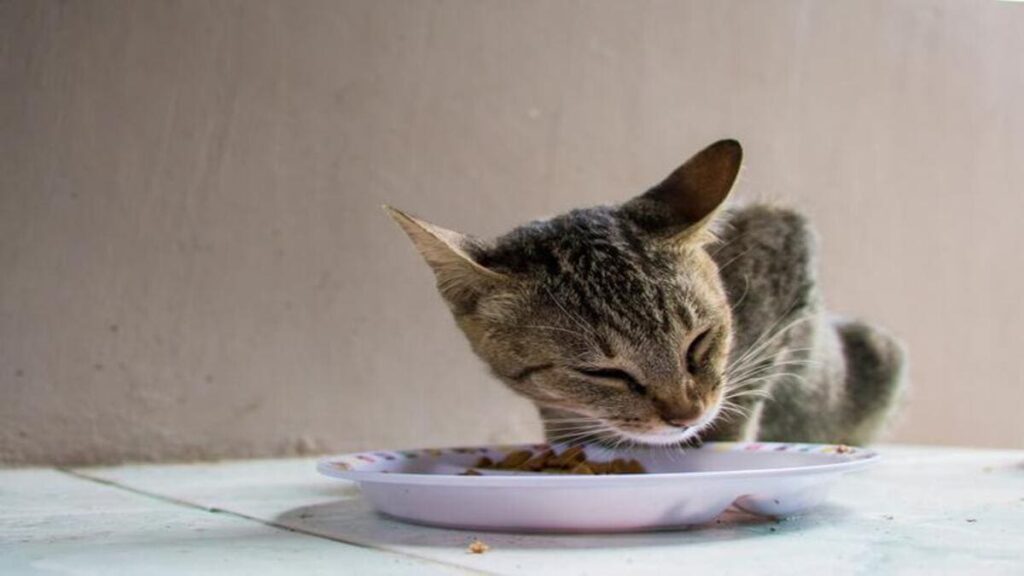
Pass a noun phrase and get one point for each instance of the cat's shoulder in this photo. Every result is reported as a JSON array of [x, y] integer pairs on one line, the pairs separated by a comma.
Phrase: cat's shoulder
[[766, 249], [765, 219], [781, 233]]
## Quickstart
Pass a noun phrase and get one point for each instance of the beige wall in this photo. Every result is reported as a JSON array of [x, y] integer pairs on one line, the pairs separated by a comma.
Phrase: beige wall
[[193, 261]]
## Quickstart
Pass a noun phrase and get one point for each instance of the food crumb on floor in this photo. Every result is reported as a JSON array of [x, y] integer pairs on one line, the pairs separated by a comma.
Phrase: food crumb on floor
[[972, 520], [477, 547]]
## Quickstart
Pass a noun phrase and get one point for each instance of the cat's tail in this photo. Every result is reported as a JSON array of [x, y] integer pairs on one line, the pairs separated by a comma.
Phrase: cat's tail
[[876, 379]]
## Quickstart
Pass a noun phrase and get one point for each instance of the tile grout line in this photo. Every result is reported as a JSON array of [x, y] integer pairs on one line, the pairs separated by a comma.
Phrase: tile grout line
[[215, 510]]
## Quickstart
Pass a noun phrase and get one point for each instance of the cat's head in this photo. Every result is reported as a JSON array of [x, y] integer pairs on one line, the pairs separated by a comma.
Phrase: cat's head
[[612, 317]]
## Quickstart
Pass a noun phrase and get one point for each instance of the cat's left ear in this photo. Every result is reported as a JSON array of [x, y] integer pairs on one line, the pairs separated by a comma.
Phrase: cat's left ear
[[682, 205], [460, 279]]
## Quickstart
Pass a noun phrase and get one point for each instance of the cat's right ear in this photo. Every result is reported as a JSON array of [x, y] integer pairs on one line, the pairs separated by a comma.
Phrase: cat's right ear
[[683, 204], [460, 279]]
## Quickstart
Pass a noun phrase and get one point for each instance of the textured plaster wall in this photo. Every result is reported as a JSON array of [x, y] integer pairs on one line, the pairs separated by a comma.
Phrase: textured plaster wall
[[193, 261]]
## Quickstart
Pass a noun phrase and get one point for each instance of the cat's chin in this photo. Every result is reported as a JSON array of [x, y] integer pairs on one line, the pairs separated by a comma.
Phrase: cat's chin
[[666, 438]]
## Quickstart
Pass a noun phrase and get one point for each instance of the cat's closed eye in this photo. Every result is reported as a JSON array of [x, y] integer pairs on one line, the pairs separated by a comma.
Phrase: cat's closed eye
[[696, 351], [626, 378]]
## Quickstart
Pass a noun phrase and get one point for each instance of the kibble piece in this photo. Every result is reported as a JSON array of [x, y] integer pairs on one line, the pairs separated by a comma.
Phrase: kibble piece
[[514, 460], [477, 547], [571, 457], [581, 468], [538, 461], [572, 461], [633, 466]]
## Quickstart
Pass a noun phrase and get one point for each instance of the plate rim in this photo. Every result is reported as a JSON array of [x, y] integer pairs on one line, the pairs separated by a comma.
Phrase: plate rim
[[328, 466]]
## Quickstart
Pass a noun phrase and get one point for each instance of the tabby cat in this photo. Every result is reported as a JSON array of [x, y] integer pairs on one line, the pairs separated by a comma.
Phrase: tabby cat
[[668, 319]]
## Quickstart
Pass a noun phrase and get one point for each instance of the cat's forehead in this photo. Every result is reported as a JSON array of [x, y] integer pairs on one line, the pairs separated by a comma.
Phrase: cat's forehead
[[594, 241], [593, 264]]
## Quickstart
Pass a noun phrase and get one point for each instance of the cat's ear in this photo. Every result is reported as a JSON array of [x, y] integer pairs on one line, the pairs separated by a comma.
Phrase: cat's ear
[[460, 279], [682, 205]]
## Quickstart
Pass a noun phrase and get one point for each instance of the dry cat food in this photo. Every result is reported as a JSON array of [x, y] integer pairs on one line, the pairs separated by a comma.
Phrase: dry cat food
[[571, 461], [477, 546]]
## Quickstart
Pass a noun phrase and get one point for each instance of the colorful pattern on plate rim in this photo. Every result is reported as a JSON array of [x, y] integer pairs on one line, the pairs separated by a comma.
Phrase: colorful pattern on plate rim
[[360, 459]]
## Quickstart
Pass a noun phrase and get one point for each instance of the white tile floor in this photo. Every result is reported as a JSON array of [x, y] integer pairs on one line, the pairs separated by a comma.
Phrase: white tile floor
[[923, 511]]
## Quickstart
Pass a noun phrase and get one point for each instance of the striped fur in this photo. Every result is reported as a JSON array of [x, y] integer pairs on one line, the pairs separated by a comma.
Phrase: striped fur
[[634, 323]]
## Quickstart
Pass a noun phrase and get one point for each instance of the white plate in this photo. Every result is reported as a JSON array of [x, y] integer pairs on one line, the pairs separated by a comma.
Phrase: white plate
[[680, 488]]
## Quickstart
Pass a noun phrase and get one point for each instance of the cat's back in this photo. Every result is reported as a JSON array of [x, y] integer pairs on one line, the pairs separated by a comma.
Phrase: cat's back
[[766, 255]]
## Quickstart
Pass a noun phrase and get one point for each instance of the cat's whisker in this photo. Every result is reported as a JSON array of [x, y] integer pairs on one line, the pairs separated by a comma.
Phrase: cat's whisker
[[735, 258], [747, 396], [767, 357], [622, 440], [751, 394], [575, 438], [754, 371], [730, 402], [576, 430], [603, 437], [572, 431], [746, 290], [769, 330], [727, 417], [757, 348], [756, 375], [766, 361], [772, 333], [573, 425], [752, 386], [569, 428], [747, 390], [731, 241], [768, 366], [733, 412], [584, 337], [748, 383], [777, 376], [794, 376], [569, 423], [580, 419], [586, 424], [581, 422], [730, 407]]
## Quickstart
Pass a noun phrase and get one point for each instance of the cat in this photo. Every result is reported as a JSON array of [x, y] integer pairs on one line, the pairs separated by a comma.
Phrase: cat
[[668, 320]]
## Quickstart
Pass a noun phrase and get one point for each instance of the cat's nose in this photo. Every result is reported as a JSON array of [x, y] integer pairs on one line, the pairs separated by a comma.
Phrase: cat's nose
[[679, 413], [684, 418]]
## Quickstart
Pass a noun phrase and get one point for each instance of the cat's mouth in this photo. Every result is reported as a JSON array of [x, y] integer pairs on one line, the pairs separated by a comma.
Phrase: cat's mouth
[[664, 435], [614, 431]]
